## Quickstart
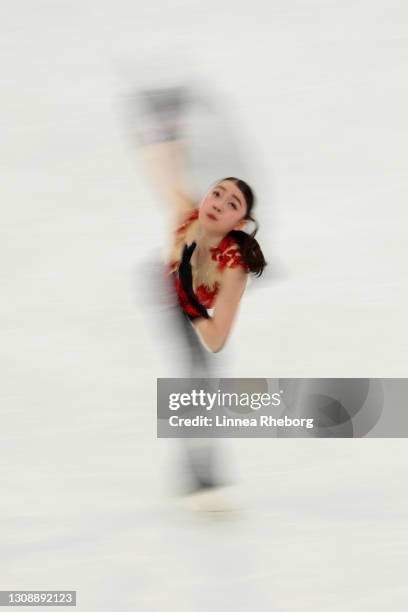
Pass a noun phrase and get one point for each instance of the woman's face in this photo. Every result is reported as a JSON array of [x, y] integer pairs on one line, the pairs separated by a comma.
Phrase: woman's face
[[223, 209]]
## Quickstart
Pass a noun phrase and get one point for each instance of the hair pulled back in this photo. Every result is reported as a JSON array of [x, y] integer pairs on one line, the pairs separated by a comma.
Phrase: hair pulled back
[[250, 250]]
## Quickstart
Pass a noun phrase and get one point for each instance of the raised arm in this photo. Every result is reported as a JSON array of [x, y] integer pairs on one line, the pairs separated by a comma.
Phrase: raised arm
[[214, 331]]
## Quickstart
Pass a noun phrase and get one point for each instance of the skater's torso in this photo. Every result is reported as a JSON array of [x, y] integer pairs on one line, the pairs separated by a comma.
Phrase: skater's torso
[[207, 273]]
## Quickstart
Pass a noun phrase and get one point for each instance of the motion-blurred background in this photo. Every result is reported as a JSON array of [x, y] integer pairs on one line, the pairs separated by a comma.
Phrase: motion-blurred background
[[309, 99]]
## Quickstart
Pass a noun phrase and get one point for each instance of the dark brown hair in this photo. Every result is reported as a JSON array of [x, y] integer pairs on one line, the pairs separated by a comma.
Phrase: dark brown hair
[[250, 249]]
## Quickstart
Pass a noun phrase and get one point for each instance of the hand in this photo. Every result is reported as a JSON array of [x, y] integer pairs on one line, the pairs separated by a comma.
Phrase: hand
[[186, 277], [185, 271]]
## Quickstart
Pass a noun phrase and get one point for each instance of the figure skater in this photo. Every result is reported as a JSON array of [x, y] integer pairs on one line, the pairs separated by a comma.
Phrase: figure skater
[[209, 261]]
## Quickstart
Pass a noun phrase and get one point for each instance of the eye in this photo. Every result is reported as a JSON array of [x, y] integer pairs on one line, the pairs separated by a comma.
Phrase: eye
[[234, 205], [216, 193]]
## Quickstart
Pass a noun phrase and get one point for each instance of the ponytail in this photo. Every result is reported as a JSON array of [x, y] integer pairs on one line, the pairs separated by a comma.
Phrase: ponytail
[[250, 250]]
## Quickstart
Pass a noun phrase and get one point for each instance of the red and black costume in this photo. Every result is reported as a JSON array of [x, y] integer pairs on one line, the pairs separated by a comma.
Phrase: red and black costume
[[195, 302]]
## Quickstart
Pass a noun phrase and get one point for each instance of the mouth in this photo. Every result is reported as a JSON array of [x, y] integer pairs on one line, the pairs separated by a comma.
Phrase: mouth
[[210, 216]]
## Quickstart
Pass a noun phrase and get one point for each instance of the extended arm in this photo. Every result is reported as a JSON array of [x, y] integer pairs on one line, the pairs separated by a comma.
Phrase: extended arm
[[215, 331]]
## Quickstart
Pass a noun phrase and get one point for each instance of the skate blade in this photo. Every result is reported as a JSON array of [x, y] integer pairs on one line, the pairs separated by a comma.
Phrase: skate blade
[[214, 502]]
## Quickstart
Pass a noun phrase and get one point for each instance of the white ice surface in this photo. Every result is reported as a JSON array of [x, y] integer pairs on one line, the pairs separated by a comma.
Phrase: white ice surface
[[321, 89]]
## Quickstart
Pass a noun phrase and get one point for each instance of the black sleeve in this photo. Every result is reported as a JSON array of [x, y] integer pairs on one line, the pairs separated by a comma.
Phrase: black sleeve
[[186, 279]]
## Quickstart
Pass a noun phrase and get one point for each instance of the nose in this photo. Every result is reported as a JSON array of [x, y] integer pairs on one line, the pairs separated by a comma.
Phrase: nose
[[219, 204]]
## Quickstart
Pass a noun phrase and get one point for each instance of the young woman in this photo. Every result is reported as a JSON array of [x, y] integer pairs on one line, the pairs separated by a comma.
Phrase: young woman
[[209, 259], [209, 263]]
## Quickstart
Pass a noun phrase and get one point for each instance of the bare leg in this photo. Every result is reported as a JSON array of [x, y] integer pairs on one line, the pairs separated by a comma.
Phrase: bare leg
[[164, 165], [163, 156], [157, 118]]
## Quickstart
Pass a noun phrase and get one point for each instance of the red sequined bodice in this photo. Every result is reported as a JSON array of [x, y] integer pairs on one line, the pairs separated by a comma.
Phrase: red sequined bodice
[[227, 255]]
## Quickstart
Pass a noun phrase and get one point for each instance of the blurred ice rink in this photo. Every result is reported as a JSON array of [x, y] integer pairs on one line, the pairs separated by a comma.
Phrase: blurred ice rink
[[320, 93]]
